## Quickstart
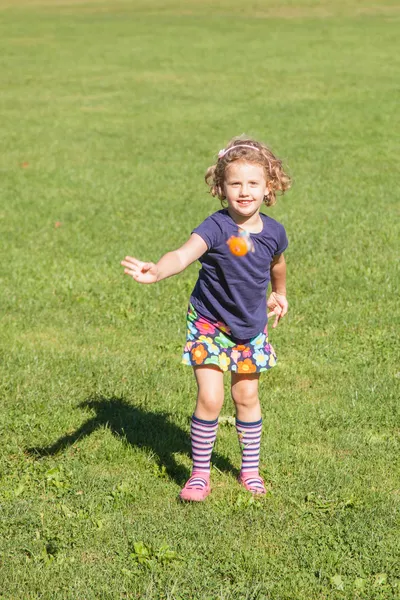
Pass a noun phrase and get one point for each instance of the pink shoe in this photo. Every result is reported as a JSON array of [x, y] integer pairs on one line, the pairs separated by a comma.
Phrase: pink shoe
[[253, 483], [196, 488]]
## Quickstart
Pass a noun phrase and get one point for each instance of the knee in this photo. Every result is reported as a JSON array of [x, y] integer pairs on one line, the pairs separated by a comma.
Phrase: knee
[[209, 402], [245, 397]]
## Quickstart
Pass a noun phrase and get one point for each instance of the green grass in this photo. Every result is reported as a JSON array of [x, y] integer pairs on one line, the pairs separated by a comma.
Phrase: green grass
[[111, 112]]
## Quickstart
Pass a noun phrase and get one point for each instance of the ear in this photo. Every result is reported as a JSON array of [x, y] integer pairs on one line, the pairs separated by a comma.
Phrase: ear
[[269, 187], [267, 193]]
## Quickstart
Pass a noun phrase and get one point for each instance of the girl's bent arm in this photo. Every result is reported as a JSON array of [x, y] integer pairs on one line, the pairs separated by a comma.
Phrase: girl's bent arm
[[170, 264], [278, 275], [277, 302]]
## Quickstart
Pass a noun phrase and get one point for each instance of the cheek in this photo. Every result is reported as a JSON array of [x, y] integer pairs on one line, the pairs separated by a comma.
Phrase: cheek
[[228, 192]]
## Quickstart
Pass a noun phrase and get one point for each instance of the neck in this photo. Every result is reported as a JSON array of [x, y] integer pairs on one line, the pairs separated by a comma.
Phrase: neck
[[251, 224]]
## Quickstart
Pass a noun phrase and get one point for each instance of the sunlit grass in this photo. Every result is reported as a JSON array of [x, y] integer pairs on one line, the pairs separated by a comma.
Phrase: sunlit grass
[[112, 111]]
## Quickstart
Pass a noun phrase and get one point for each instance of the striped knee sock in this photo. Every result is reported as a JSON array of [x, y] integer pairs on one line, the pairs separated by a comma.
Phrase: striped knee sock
[[249, 439], [203, 434]]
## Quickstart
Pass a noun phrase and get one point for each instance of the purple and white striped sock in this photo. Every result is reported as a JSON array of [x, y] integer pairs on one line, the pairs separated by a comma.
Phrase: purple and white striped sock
[[249, 435], [203, 434]]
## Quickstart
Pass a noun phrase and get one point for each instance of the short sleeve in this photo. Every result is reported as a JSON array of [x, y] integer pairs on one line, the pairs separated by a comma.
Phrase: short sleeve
[[282, 241], [210, 231]]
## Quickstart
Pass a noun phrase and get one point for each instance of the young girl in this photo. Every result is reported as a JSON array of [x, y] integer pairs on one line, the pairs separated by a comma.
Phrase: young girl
[[227, 315]]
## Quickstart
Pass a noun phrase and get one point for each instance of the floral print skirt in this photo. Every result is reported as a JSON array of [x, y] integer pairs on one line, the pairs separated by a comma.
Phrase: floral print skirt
[[210, 343]]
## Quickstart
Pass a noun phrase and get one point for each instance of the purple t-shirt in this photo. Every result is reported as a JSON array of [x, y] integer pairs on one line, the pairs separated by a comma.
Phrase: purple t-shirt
[[233, 289]]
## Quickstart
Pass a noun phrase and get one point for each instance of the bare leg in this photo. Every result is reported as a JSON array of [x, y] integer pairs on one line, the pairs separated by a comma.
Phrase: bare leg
[[210, 398], [244, 389], [210, 394]]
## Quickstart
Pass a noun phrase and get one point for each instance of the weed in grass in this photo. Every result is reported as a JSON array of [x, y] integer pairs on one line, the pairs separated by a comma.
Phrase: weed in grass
[[146, 555]]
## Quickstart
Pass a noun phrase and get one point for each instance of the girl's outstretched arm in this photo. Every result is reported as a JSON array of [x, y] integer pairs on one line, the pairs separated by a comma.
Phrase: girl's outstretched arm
[[170, 264], [277, 302]]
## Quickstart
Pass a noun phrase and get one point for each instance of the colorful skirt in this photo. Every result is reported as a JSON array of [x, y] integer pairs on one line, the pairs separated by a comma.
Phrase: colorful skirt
[[209, 343]]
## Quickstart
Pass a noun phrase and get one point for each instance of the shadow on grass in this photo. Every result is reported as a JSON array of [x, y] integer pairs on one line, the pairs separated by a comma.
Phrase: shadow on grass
[[140, 428]]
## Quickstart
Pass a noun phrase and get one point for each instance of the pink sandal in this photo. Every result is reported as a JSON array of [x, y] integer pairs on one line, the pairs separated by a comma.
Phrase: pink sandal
[[253, 483], [196, 488]]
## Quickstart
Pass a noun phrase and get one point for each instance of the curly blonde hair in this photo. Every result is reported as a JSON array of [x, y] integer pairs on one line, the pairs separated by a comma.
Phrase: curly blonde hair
[[249, 150]]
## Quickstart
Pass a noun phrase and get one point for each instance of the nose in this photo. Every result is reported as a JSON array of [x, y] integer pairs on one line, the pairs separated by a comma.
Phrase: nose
[[244, 190]]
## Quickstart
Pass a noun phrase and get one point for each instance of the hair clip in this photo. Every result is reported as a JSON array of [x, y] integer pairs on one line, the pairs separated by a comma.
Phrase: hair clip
[[224, 151]]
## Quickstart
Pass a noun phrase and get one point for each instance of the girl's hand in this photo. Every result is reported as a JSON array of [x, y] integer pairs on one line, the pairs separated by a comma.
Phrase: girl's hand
[[278, 305], [142, 272]]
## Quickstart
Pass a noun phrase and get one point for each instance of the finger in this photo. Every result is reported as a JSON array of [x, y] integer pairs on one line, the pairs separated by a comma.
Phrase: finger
[[130, 272], [132, 262], [283, 312], [129, 265], [272, 314], [279, 317], [276, 323], [277, 312]]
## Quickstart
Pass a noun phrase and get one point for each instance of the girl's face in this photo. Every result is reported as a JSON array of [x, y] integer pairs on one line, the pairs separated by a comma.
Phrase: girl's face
[[244, 187]]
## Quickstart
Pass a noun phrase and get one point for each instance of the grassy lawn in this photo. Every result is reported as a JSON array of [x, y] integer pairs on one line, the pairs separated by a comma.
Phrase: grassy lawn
[[111, 112]]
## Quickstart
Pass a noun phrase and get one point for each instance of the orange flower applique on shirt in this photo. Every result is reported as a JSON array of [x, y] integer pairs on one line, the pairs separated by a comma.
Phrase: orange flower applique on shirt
[[246, 366], [199, 353]]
